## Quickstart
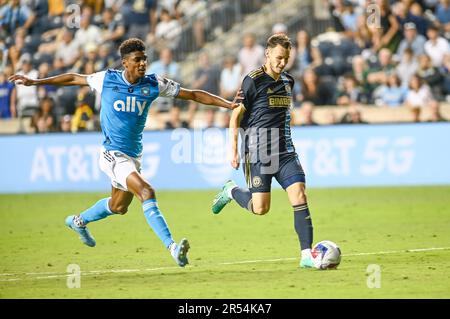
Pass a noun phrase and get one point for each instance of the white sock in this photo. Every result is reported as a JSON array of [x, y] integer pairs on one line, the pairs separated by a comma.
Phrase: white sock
[[172, 248], [306, 253], [229, 192]]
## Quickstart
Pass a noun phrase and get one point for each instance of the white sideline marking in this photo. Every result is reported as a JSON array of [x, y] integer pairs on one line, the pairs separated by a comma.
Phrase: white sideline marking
[[101, 272]]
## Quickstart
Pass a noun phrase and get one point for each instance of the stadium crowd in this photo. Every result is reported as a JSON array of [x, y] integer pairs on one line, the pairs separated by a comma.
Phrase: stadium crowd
[[399, 58]]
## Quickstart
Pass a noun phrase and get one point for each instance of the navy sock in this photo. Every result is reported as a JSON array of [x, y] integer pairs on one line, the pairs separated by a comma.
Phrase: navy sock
[[156, 221], [243, 197], [98, 211], [303, 225]]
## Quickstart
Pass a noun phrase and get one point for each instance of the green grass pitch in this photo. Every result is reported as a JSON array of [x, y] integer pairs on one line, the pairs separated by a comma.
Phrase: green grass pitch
[[234, 254]]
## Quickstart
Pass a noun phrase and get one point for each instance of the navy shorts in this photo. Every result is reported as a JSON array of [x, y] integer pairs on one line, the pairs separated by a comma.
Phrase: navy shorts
[[286, 169]]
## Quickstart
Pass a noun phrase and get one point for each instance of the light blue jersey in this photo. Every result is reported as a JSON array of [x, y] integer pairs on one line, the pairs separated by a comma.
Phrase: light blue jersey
[[124, 107]]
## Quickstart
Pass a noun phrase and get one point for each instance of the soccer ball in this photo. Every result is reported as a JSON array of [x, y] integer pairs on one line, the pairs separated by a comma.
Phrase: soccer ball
[[326, 255]]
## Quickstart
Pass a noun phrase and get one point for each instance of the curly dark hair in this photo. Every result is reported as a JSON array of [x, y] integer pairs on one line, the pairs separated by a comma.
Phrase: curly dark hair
[[131, 45]]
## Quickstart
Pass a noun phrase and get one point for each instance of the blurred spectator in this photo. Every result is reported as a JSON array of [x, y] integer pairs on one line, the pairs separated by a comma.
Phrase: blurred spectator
[[27, 96], [65, 123], [401, 11], [17, 49], [172, 6], [407, 67], [418, 96], [251, 55], [337, 9], [207, 78], [41, 21], [82, 120], [279, 28], [87, 34], [443, 17], [350, 93], [45, 90], [86, 95], [113, 27], [140, 17], [363, 36], [68, 49], [164, 67], [230, 78], [7, 97], [353, 116], [97, 6], [359, 69], [412, 40], [344, 17], [167, 32], [13, 16], [445, 70], [195, 11], [88, 59], [306, 115], [390, 35], [313, 90], [302, 53], [379, 74], [430, 75], [436, 47], [3, 55], [392, 94], [317, 63], [416, 16], [105, 58], [175, 120], [43, 121]]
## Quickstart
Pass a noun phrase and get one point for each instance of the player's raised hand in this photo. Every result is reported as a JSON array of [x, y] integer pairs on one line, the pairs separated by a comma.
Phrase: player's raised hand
[[21, 79], [235, 159]]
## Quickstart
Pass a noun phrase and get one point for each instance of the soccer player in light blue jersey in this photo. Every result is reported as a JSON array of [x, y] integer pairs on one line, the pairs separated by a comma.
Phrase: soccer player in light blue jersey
[[126, 97]]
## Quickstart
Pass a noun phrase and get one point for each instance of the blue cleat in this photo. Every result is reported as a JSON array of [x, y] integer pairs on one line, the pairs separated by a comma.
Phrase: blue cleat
[[180, 253], [222, 198], [75, 223]]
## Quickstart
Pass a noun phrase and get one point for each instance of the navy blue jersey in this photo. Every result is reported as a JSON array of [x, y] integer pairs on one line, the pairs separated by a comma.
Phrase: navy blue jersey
[[267, 105]]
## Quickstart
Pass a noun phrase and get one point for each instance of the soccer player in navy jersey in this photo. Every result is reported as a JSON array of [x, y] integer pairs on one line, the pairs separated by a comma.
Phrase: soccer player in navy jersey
[[263, 119], [126, 97]]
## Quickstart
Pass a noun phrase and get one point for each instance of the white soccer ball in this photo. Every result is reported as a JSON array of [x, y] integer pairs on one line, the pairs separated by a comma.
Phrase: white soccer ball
[[326, 255]]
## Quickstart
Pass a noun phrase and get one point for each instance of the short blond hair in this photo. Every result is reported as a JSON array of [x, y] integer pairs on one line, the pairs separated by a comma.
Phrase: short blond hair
[[279, 39]]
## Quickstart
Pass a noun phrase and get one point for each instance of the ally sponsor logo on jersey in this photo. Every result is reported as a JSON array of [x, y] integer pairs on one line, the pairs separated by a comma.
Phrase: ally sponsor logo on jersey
[[131, 105]]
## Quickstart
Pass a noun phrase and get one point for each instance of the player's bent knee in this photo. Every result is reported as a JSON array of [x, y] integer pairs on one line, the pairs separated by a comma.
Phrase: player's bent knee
[[261, 210], [119, 209], [147, 192]]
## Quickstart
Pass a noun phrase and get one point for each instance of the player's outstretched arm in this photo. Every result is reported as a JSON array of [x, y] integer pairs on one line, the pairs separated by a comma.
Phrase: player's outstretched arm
[[62, 79], [206, 98], [235, 121]]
